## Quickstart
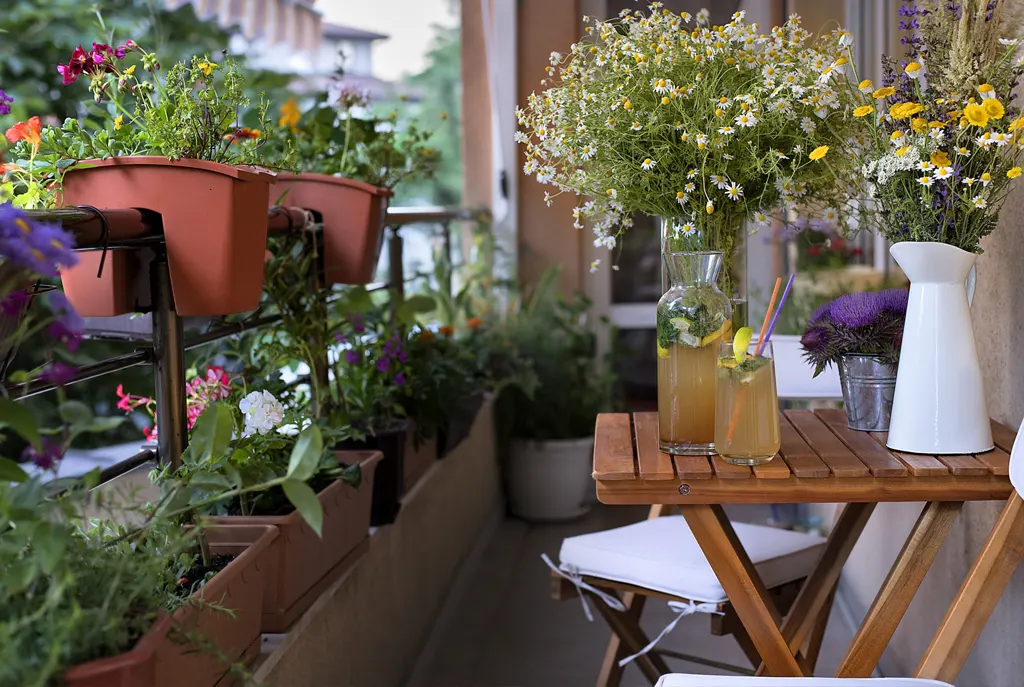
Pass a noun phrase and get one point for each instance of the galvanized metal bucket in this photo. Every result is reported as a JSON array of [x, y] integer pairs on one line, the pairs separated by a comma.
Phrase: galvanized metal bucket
[[868, 388]]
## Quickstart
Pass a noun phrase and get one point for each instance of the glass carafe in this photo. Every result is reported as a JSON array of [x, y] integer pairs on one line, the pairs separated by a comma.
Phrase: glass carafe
[[693, 317]]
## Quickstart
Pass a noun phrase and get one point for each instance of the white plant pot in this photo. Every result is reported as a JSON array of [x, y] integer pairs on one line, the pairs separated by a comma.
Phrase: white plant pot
[[550, 480], [939, 403]]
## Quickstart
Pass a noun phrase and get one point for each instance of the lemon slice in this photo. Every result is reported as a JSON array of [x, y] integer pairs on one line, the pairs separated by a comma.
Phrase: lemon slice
[[662, 352], [741, 342], [715, 336]]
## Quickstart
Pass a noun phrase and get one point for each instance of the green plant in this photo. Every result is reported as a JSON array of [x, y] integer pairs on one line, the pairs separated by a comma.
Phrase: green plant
[[663, 114], [571, 384], [331, 139], [442, 375]]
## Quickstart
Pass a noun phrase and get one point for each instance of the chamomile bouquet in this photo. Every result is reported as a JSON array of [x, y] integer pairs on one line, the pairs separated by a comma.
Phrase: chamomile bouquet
[[706, 126], [945, 141]]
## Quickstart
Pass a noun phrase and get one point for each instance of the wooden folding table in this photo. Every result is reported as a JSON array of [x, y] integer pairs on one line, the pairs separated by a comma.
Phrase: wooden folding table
[[821, 461]]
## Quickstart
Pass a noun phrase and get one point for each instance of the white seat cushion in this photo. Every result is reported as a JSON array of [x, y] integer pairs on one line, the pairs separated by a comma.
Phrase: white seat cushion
[[732, 681], [662, 554]]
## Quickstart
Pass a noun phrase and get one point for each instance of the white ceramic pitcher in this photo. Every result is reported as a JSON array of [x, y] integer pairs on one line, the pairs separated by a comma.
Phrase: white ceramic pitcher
[[939, 404]]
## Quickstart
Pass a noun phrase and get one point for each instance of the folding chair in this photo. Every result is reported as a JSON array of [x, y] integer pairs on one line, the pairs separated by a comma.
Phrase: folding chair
[[964, 621]]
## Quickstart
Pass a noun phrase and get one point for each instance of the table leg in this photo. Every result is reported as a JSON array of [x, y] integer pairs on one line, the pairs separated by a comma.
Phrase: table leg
[[899, 588], [822, 581], [977, 597], [747, 593]]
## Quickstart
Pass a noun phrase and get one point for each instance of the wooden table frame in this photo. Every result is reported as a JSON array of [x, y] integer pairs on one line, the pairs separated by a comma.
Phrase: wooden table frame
[[823, 461]]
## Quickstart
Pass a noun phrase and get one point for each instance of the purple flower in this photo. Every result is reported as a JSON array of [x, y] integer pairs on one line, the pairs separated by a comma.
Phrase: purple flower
[[353, 356], [854, 310], [402, 357], [357, 323], [399, 379], [58, 373], [68, 325], [822, 313], [340, 338], [5, 103], [815, 340], [47, 457], [14, 303], [893, 300], [37, 248], [383, 364]]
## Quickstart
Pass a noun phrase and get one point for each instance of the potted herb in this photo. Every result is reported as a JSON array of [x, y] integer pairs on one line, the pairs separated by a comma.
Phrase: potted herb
[[551, 426], [347, 165], [173, 145], [861, 334]]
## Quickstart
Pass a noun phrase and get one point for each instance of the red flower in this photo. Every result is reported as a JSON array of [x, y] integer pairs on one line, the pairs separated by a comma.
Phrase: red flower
[[242, 134], [29, 131], [75, 66], [814, 251]]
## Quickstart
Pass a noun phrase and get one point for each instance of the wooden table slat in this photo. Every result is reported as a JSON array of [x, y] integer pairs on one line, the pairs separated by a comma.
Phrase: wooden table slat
[[693, 467], [724, 470], [800, 457], [840, 459], [776, 468], [1003, 436], [919, 465], [880, 462], [652, 462], [997, 461], [966, 466], [613, 447]]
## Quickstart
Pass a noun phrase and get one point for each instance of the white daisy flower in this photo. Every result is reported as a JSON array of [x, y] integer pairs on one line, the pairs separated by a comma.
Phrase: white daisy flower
[[702, 140], [682, 198], [648, 164], [936, 134], [746, 119], [734, 191], [807, 125], [943, 172], [926, 181], [594, 265], [1001, 139], [635, 126], [968, 181], [727, 156], [520, 137], [719, 180], [587, 152], [661, 86], [979, 202], [690, 187], [691, 174], [611, 193], [530, 167], [545, 175], [726, 130], [762, 218], [830, 215], [688, 229]]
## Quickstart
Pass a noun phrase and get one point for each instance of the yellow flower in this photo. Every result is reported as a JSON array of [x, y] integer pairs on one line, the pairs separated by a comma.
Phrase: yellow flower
[[985, 90], [118, 121], [664, 100], [993, 108], [884, 92], [986, 177], [900, 152], [818, 153], [913, 70], [290, 114], [976, 115], [628, 105], [130, 70], [1013, 173], [919, 125], [206, 67], [863, 110], [865, 85], [710, 207], [896, 135], [904, 110], [444, 115], [935, 125], [1017, 124], [940, 159]]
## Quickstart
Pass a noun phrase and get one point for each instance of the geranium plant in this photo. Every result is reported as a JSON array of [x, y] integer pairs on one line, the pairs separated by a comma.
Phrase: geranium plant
[[343, 139], [706, 126], [862, 323], [945, 138]]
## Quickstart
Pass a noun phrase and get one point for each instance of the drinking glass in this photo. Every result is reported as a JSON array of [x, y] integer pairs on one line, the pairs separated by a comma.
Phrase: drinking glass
[[747, 405]]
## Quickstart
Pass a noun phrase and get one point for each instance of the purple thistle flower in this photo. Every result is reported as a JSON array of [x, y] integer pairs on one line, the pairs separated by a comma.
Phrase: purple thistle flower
[[47, 457], [815, 340], [854, 310], [383, 364], [14, 303], [5, 103], [353, 356], [893, 300], [399, 379], [823, 313], [58, 373]]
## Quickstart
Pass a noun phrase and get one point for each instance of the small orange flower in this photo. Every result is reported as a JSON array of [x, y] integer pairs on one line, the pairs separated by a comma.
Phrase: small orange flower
[[446, 330], [29, 131], [474, 322], [427, 335]]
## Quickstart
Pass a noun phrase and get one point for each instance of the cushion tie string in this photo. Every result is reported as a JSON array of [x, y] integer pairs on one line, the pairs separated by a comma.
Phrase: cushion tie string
[[570, 573], [681, 610]]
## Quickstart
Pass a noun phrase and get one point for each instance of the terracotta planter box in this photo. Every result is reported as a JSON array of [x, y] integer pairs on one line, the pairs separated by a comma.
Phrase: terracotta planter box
[[418, 459], [158, 660], [301, 565], [214, 220], [389, 478], [459, 426], [114, 292], [353, 221]]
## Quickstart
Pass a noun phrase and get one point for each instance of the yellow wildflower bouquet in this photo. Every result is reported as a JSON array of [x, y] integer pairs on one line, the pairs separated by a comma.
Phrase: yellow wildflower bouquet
[[706, 126], [945, 142]]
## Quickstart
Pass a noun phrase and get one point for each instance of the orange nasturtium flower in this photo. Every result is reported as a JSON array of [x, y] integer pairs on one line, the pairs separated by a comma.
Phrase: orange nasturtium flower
[[446, 330], [26, 131], [427, 335], [290, 114], [474, 322]]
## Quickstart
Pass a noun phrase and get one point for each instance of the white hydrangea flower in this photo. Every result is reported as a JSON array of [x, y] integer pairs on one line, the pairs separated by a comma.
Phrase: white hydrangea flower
[[263, 412]]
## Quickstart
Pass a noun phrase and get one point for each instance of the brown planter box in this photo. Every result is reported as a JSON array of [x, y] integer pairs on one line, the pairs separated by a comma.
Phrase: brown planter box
[[215, 227], [353, 219], [302, 565], [158, 660], [418, 459], [115, 292]]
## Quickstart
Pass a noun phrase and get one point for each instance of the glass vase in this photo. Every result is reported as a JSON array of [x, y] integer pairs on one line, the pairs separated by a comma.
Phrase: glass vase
[[694, 315]]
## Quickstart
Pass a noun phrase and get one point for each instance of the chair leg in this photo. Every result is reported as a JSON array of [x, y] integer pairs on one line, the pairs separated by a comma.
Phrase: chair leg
[[809, 658], [747, 645], [611, 673], [627, 629]]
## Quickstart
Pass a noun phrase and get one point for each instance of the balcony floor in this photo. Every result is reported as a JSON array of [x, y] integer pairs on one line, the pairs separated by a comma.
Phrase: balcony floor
[[500, 628]]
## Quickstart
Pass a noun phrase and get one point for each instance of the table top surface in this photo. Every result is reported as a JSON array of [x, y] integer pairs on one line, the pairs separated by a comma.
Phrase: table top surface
[[821, 461]]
